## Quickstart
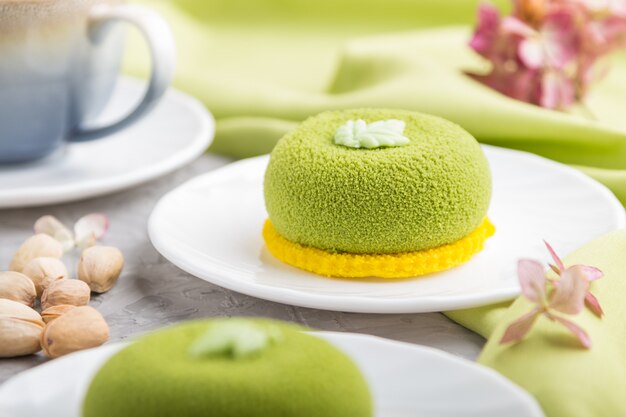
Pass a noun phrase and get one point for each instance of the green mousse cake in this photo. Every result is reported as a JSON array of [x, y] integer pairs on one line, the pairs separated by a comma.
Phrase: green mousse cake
[[229, 368], [376, 182]]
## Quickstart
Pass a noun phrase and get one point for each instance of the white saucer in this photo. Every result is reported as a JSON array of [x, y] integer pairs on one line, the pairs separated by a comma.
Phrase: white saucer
[[177, 131], [406, 380], [211, 228]]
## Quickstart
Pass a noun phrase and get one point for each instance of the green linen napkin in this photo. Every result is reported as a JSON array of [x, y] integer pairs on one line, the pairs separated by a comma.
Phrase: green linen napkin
[[567, 380], [263, 66]]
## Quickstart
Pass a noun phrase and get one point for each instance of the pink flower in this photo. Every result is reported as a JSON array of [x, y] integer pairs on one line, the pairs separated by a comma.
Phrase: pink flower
[[486, 36], [546, 52], [493, 40], [554, 45], [590, 273], [569, 296], [549, 50]]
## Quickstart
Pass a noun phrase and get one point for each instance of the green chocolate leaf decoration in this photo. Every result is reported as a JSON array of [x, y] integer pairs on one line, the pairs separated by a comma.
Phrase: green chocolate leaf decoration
[[236, 339], [379, 134]]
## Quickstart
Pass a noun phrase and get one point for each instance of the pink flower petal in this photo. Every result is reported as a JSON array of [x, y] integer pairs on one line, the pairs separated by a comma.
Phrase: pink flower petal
[[531, 53], [557, 91], [555, 45], [526, 85], [593, 304], [560, 38], [51, 226], [582, 335], [591, 272], [486, 33], [549, 94], [515, 26], [555, 257], [569, 294], [532, 279], [520, 327], [90, 228]]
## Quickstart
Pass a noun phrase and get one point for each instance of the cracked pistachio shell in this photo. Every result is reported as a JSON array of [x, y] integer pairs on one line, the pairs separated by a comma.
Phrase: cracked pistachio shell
[[78, 329], [100, 267], [17, 287], [36, 246], [54, 312], [20, 329], [65, 291], [43, 271]]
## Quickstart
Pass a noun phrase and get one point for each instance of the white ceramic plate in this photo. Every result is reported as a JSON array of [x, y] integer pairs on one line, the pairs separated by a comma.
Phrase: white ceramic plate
[[406, 381], [176, 132], [211, 228]]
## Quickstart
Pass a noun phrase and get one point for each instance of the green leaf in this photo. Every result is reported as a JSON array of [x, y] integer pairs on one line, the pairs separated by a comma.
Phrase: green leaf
[[382, 133], [235, 338]]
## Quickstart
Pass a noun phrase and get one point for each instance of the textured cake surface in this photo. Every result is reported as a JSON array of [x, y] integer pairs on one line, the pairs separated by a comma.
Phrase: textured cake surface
[[300, 376], [432, 191]]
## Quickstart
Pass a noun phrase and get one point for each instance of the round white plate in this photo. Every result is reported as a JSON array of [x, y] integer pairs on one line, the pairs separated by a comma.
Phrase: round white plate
[[176, 132], [211, 228], [406, 381]]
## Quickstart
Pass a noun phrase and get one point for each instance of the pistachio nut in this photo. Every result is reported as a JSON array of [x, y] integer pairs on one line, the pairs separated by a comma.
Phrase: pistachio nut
[[17, 287], [20, 329], [100, 267], [78, 329], [65, 291], [36, 247], [43, 271], [54, 312]]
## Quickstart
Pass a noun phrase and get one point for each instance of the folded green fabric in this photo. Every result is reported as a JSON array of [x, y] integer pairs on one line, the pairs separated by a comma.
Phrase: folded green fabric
[[262, 67], [566, 379]]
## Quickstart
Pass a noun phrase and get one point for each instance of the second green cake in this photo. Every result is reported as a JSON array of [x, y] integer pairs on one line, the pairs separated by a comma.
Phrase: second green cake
[[229, 368]]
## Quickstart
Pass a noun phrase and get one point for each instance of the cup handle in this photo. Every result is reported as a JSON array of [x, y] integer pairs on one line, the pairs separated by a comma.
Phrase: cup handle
[[160, 40]]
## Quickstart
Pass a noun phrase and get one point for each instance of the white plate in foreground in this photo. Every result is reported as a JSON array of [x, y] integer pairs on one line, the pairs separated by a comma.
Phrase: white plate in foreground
[[177, 131], [211, 228], [406, 381]]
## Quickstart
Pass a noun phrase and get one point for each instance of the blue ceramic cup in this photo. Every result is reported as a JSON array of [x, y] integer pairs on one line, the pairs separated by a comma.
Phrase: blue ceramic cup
[[59, 60]]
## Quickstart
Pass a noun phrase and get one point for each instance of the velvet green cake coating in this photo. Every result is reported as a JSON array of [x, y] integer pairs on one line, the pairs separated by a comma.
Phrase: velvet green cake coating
[[301, 375], [432, 191]]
